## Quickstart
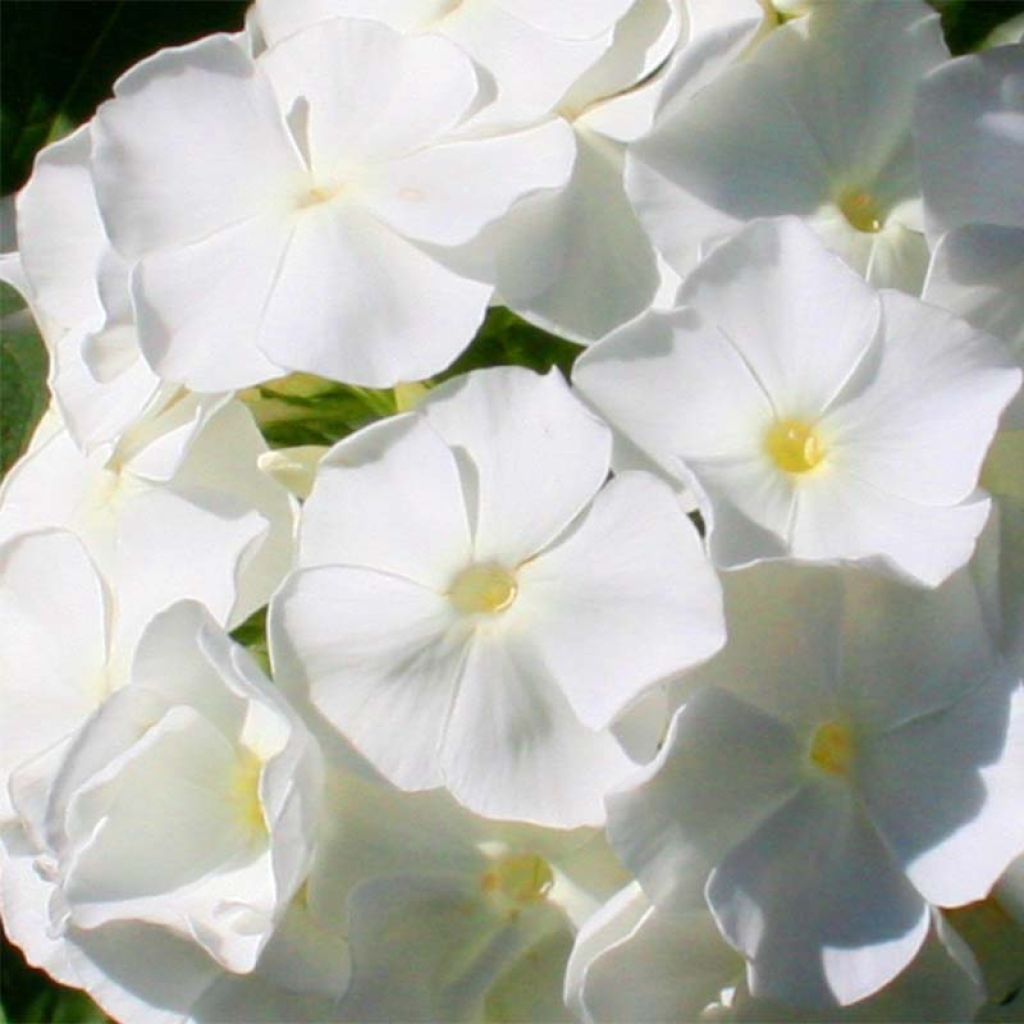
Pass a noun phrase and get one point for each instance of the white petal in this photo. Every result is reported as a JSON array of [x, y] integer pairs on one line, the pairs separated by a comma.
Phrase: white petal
[[576, 19], [724, 769], [203, 336], [553, 249], [783, 653], [816, 902], [977, 272], [675, 387], [378, 656], [389, 498], [850, 519], [626, 600], [48, 588], [355, 302], [447, 194], [192, 143], [662, 968], [424, 949], [951, 819], [969, 127], [916, 421], [531, 456], [372, 94], [776, 293], [513, 748], [62, 239]]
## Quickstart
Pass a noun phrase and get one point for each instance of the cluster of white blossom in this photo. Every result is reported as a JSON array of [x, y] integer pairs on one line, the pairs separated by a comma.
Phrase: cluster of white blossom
[[690, 689]]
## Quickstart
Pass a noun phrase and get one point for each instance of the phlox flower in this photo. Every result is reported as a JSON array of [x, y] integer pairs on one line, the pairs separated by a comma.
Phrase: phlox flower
[[633, 961], [189, 801], [473, 608], [815, 418], [815, 122], [77, 288], [969, 127], [177, 508], [298, 211], [853, 756], [533, 52]]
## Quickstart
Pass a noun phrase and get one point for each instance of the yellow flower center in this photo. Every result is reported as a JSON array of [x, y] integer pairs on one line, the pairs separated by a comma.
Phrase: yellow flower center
[[794, 446], [832, 748], [519, 878], [483, 589], [245, 793], [860, 210]]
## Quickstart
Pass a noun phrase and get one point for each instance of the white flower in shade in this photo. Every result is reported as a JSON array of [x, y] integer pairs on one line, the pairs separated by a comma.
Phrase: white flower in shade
[[474, 609], [969, 125], [178, 508], [633, 961], [189, 801], [815, 417], [816, 122], [295, 210], [577, 261], [77, 289], [533, 54], [853, 756]]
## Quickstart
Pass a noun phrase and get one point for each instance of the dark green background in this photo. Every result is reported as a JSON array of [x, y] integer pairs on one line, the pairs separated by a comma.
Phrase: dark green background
[[58, 60]]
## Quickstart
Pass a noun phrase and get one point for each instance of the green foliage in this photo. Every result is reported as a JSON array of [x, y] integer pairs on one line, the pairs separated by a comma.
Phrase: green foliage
[[23, 364]]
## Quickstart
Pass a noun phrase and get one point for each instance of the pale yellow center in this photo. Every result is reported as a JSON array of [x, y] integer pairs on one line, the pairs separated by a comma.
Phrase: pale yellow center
[[245, 793], [519, 878], [832, 748], [794, 446], [318, 194], [860, 210], [483, 589]]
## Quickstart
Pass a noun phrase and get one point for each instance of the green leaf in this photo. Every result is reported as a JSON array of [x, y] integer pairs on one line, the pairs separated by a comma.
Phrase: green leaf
[[23, 394]]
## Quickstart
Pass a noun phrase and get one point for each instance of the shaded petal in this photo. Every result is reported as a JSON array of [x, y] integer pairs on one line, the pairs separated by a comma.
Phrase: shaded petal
[[952, 818], [642, 964], [969, 129], [355, 302], [389, 498], [513, 748], [816, 903], [378, 657], [783, 654], [625, 601], [530, 454], [724, 769], [977, 272], [553, 249]]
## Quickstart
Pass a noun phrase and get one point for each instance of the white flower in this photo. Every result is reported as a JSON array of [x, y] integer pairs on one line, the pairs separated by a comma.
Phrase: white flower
[[189, 800], [816, 418], [969, 127], [533, 52], [475, 609], [633, 961], [177, 509], [816, 122], [295, 211], [852, 756], [77, 289]]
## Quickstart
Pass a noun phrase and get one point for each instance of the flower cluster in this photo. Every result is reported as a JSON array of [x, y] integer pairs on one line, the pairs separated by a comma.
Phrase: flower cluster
[[342, 684]]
